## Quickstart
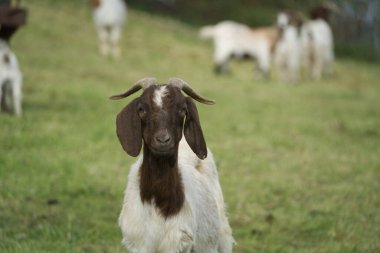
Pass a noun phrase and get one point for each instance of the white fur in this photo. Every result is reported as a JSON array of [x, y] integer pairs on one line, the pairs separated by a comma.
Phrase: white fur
[[232, 38], [287, 53], [317, 48], [10, 74], [158, 95], [201, 226], [109, 18]]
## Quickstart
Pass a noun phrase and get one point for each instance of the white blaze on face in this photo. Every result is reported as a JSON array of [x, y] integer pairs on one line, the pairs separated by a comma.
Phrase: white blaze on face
[[159, 93]]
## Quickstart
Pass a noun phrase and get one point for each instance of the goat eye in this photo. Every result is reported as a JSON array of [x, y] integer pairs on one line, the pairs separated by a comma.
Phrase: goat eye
[[141, 111], [183, 111]]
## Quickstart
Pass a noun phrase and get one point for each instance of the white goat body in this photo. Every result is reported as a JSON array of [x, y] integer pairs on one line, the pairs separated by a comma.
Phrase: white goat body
[[10, 81], [287, 52], [201, 225], [235, 39], [317, 48], [109, 18]]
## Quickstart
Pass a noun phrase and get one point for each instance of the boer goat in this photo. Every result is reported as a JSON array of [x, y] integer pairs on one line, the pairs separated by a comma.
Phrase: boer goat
[[232, 39], [317, 48], [287, 52], [10, 81], [173, 201], [109, 18]]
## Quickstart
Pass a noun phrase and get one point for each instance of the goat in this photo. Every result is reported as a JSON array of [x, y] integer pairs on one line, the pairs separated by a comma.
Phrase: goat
[[238, 40], [10, 81], [287, 52], [317, 45], [173, 201], [109, 18]]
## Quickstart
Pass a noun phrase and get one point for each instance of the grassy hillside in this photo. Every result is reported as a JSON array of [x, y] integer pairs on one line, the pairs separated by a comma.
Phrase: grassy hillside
[[299, 165]]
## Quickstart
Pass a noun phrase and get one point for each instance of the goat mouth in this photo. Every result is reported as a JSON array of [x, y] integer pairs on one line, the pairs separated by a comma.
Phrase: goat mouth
[[163, 151]]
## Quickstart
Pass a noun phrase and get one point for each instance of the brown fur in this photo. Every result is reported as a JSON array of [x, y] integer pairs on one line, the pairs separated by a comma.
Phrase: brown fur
[[295, 18], [271, 34], [95, 3], [321, 12], [161, 183]]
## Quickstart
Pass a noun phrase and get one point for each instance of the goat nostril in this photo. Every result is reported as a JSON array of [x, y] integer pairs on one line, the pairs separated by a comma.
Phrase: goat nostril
[[163, 139]]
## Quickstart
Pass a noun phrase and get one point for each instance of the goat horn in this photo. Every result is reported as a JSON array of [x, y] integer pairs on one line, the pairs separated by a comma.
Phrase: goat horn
[[141, 84], [189, 91]]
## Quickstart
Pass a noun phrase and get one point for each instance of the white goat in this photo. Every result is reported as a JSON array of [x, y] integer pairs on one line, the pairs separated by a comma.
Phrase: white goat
[[109, 18], [287, 52], [232, 39], [317, 48], [10, 81], [173, 201]]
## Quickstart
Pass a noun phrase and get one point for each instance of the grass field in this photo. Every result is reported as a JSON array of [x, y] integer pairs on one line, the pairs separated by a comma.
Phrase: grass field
[[299, 165]]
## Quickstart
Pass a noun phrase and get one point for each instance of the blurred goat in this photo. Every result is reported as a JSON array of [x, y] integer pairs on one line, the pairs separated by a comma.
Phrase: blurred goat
[[173, 201], [287, 52], [232, 39], [10, 81], [317, 48], [109, 18]]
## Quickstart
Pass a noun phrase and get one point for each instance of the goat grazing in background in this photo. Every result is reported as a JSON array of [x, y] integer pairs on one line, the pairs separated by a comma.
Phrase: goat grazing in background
[[232, 39], [109, 18], [173, 201], [10, 81], [287, 52]]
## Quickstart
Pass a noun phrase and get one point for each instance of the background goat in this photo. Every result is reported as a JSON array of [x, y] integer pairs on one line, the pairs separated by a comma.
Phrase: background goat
[[10, 81], [287, 52], [317, 48], [173, 201], [232, 39], [109, 18]]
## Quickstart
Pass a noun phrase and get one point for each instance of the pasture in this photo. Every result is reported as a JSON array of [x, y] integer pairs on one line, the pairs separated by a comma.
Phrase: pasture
[[299, 164]]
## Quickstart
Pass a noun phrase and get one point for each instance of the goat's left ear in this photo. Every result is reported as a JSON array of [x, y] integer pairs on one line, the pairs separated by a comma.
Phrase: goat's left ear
[[193, 131]]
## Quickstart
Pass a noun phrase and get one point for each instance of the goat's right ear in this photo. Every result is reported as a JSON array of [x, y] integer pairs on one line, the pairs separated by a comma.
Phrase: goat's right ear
[[128, 129]]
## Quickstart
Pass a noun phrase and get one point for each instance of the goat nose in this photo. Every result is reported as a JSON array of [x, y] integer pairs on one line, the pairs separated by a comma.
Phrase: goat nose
[[163, 138]]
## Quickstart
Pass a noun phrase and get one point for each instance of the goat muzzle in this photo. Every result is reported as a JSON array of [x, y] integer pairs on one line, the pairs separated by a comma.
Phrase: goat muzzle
[[162, 143]]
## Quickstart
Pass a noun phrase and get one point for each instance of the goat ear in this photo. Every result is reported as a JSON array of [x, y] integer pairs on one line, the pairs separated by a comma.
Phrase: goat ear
[[128, 129], [193, 131]]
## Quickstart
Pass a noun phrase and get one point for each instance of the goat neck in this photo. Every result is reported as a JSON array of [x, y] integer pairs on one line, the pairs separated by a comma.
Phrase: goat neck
[[161, 183]]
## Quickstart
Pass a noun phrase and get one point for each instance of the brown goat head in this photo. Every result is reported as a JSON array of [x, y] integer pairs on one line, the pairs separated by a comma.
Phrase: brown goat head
[[159, 117]]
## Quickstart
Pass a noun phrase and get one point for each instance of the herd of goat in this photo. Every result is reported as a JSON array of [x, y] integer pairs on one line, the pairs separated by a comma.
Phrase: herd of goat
[[290, 46], [173, 201]]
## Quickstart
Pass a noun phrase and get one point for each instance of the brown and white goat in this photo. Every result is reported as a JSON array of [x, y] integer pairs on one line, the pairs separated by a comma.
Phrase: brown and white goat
[[317, 43], [173, 201]]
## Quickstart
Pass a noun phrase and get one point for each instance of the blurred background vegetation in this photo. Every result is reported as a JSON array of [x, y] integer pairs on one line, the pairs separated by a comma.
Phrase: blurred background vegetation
[[356, 24]]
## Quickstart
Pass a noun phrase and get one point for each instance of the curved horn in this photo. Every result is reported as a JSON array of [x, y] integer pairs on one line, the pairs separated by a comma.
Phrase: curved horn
[[141, 84], [189, 91]]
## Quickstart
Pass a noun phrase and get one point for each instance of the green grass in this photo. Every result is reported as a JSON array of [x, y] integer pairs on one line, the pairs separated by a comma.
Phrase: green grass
[[299, 165]]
